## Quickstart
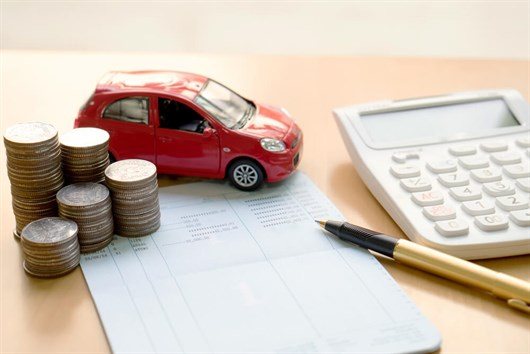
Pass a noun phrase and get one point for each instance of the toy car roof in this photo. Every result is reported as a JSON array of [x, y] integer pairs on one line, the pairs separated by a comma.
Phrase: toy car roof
[[174, 82]]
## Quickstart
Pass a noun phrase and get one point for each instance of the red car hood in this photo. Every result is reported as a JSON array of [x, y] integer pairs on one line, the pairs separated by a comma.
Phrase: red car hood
[[268, 122]]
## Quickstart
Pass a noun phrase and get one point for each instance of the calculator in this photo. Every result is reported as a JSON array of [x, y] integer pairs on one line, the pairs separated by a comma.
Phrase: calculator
[[453, 171]]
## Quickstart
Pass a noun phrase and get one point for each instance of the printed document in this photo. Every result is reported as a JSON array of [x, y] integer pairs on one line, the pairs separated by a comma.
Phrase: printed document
[[238, 272]]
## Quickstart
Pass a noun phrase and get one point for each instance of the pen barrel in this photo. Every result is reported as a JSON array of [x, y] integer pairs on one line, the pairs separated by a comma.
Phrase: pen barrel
[[459, 270]]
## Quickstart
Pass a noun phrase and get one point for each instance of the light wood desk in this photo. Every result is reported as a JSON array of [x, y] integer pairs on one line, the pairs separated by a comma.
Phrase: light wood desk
[[58, 315]]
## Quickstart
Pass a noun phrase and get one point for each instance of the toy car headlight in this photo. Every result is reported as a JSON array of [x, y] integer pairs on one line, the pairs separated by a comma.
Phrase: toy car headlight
[[272, 145]]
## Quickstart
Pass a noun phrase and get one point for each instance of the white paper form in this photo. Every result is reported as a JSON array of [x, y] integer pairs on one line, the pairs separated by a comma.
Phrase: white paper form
[[230, 271]]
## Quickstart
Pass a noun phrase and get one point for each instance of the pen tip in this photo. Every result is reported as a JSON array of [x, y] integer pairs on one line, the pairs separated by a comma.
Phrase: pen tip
[[321, 223]]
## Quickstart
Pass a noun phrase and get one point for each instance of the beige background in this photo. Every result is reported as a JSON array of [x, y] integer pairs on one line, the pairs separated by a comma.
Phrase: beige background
[[476, 28], [58, 315]]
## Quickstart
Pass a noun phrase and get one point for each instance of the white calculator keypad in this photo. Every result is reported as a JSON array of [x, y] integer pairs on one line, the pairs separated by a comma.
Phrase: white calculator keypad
[[523, 142], [465, 193], [499, 188], [454, 179], [455, 227], [506, 158], [462, 150], [517, 171], [521, 217], [471, 162], [490, 174], [523, 184], [439, 212], [432, 197], [494, 146], [513, 202], [490, 182], [442, 166], [478, 207], [493, 222], [405, 171], [416, 184]]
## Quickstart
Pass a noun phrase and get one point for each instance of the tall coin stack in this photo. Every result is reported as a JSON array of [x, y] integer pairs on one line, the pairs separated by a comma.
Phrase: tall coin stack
[[134, 190], [89, 205], [34, 170], [85, 155], [50, 247]]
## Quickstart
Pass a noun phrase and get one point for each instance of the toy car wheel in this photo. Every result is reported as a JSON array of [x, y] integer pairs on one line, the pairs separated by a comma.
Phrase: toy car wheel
[[246, 175]]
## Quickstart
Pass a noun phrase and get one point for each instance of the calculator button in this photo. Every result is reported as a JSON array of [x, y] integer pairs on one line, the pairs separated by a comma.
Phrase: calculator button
[[439, 212], [505, 158], [443, 166], [493, 222], [512, 202], [521, 217], [517, 171], [499, 189], [523, 142], [454, 179], [402, 157], [462, 150], [456, 227], [494, 146], [404, 171], [399, 157], [428, 198], [478, 207], [465, 193], [472, 162], [483, 175], [415, 184], [523, 183]]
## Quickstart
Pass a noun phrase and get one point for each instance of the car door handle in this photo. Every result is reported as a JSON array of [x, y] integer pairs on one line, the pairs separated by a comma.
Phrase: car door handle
[[165, 140]]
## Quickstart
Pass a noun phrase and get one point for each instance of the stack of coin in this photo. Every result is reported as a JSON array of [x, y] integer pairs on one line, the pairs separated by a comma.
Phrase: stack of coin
[[89, 205], [134, 190], [50, 247], [85, 155], [34, 170]]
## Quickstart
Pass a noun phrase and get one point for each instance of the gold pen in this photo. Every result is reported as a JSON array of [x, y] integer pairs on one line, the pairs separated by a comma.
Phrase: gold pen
[[515, 291]]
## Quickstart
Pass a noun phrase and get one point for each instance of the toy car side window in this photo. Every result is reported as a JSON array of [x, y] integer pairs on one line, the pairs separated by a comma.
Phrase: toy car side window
[[130, 109], [179, 116]]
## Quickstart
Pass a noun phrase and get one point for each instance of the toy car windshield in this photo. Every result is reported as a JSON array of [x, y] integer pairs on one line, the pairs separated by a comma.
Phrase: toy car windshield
[[230, 109]]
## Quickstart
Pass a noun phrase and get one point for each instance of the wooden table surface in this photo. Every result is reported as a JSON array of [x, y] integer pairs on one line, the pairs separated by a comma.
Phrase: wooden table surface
[[59, 316]]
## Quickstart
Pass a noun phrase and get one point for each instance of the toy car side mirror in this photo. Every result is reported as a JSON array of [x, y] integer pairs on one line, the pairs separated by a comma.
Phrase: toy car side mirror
[[208, 132]]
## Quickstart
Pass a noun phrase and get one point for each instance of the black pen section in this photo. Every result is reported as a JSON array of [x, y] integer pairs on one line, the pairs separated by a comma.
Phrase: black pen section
[[365, 238]]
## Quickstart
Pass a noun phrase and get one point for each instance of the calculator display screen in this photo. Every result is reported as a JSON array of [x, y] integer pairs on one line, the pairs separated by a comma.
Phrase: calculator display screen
[[444, 121]]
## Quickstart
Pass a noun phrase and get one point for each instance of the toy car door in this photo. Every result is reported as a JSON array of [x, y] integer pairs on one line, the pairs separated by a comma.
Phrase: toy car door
[[130, 123], [186, 143]]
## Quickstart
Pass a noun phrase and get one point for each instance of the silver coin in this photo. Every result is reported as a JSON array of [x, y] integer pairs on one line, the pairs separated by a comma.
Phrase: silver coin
[[48, 276], [82, 162], [83, 194], [38, 162], [97, 151], [50, 230], [88, 248], [30, 133], [130, 171], [80, 138], [138, 232]]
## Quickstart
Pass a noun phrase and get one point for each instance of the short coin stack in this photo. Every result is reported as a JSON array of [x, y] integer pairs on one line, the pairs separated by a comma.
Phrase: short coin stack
[[89, 205], [50, 247], [85, 155], [34, 170], [134, 190]]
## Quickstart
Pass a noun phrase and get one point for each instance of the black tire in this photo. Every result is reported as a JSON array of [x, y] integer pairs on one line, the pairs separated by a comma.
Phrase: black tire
[[245, 175]]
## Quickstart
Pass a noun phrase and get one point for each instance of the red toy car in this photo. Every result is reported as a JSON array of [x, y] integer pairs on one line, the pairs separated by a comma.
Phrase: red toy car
[[190, 125]]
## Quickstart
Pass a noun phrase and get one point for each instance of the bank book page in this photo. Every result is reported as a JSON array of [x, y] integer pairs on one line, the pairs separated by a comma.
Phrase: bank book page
[[239, 272]]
